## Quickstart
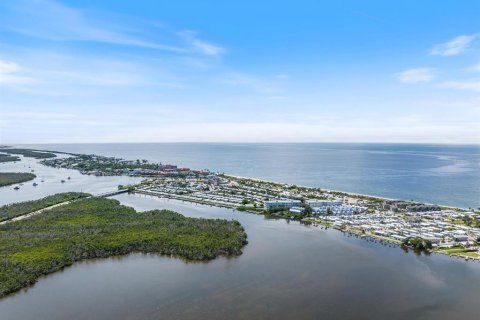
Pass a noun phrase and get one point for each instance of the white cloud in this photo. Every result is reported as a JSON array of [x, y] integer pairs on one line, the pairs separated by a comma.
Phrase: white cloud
[[8, 67], [453, 47], [54, 21], [200, 45], [462, 85], [416, 75], [396, 131], [9, 74]]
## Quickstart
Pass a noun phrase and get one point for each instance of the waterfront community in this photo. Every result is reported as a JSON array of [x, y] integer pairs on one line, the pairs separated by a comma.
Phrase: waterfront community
[[292, 234], [448, 230]]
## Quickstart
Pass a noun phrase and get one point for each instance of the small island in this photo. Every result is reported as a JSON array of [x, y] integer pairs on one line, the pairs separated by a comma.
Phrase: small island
[[29, 153], [9, 178], [8, 158], [96, 227]]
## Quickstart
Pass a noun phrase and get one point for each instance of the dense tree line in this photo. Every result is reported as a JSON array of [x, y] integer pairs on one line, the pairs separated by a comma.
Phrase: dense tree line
[[8, 178], [8, 158], [471, 221], [85, 162], [418, 244], [99, 228], [29, 153], [17, 209]]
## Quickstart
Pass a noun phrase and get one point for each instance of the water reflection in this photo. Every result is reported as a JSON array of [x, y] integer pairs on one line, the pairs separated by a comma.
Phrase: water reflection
[[287, 271]]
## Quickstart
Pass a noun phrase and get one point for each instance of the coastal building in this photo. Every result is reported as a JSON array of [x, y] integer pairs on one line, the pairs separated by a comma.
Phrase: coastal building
[[323, 203], [335, 210], [335, 207], [276, 204], [296, 210]]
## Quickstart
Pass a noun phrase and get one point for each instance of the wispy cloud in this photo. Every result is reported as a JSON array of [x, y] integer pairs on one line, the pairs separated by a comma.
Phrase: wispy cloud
[[8, 67], [256, 83], [200, 45], [454, 47], [50, 20], [36, 115], [10, 74], [473, 85], [416, 75], [38, 72], [474, 68]]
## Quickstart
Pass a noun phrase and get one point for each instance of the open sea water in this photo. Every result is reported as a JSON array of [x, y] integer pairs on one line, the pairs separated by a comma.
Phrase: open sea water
[[440, 174]]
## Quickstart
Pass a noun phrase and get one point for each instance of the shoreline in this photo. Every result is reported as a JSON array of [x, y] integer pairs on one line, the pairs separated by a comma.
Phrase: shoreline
[[370, 200], [354, 194]]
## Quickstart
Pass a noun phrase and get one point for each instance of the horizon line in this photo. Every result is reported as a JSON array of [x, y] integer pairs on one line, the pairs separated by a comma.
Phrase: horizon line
[[2, 144]]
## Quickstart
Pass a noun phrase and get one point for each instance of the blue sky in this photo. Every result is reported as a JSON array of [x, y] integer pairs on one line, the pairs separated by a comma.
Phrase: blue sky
[[275, 71]]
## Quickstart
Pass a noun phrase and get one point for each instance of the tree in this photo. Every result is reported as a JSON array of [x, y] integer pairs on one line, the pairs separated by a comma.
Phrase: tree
[[307, 210], [418, 244]]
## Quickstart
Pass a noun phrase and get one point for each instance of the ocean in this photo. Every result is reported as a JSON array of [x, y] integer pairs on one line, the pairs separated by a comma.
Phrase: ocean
[[440, 174], [288, 270]]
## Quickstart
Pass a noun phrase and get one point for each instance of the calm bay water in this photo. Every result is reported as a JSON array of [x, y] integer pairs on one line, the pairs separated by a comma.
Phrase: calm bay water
[[52, 184], [288, 270], [442, 174]]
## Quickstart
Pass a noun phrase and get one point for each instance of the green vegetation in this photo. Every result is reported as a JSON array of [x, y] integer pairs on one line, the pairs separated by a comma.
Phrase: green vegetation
[[307, 211], [418, 244], [8, 158], [255, 209], [86, 163], [8, 178], [100, 228], [29, 153], [129, 188], [17, 209], [459, 251], [288, 215], [471, 221]]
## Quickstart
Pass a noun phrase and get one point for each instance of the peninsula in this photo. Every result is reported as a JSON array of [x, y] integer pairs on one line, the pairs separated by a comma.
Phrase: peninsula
[[430, 227]]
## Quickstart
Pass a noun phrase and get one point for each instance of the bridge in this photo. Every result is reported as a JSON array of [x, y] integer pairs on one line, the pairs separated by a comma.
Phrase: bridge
[[111, 193]]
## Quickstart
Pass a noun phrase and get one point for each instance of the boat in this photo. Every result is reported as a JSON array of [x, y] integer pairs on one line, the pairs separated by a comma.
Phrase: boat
[[68, 178], [16, 188], [43, 181], [35, 184], [63, 181]]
